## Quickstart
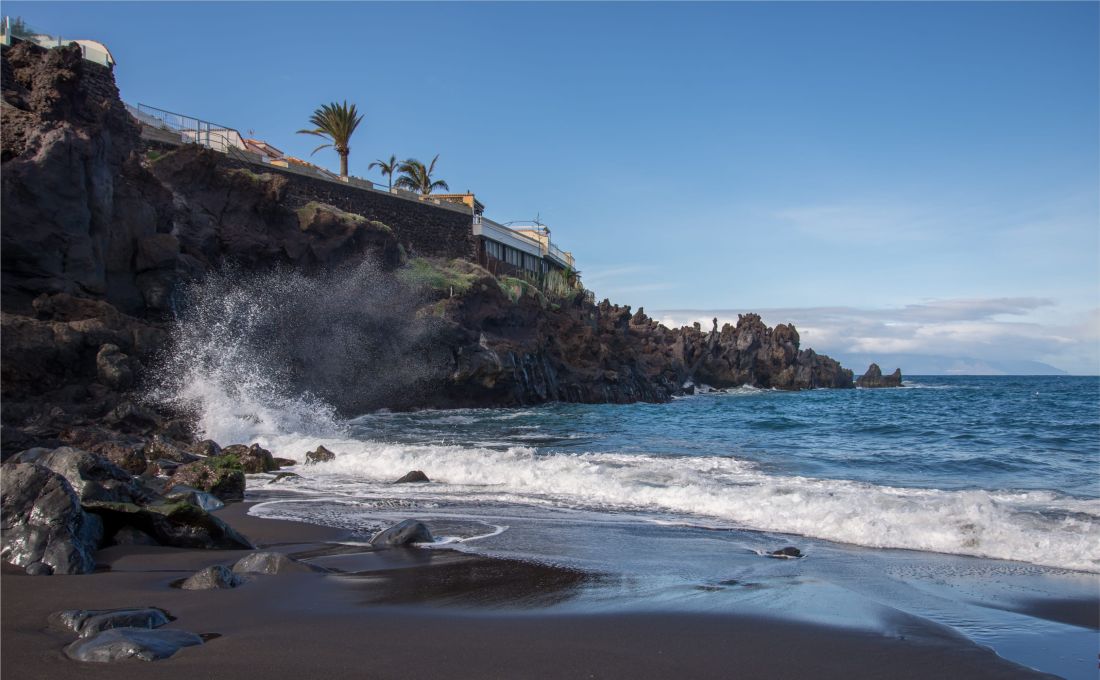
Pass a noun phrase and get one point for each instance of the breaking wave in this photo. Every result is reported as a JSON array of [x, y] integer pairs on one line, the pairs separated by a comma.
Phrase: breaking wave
[[1040, 527]]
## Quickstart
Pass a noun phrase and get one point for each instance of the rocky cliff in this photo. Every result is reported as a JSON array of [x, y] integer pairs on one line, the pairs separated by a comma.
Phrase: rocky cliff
[[100, 235], [125, 267]]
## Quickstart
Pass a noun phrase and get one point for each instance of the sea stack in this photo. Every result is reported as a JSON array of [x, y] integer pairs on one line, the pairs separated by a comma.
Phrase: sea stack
[[874, 378]]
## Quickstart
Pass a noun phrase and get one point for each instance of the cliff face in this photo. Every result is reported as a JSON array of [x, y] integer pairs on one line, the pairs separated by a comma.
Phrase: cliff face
[[99, 235]]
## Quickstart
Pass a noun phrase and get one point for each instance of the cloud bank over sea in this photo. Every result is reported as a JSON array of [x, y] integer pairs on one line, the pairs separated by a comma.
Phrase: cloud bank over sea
[[975, 335]]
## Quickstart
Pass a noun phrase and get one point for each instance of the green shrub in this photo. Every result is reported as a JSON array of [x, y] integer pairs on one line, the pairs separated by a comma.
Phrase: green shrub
[[453, 277]]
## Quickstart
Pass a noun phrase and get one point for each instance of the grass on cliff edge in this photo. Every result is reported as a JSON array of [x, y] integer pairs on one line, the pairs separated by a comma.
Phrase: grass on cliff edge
[[516, 288], [308, 212], [441, 275]]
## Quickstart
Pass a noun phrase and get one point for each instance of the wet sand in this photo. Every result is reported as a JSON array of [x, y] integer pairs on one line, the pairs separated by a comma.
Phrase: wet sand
[[391, 620]]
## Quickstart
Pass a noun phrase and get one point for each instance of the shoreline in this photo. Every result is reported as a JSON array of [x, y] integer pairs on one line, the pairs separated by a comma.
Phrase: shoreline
[[304, 622]]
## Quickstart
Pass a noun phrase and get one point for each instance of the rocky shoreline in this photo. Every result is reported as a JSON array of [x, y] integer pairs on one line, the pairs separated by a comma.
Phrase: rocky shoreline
[[102, 236]]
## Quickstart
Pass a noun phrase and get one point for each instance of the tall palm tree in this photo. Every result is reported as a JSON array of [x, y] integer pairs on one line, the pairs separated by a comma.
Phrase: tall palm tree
[[416, 177], [387, 168], [336, 123]]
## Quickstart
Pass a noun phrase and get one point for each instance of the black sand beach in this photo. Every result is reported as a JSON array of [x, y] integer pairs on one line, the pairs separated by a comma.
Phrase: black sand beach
[[391, 621]]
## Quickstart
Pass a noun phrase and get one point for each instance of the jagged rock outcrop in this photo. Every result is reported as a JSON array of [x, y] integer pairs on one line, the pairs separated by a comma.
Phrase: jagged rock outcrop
[[101, 233], [90, 271], [874, 378]]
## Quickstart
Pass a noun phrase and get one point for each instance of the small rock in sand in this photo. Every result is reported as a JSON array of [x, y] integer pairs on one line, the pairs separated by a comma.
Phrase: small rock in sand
[[262, 563], [211, 578], [402, 533], [124, 643], [88, 622]]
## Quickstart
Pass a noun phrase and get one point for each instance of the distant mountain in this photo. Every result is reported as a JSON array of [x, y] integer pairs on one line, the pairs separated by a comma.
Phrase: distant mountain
[[921, 364]]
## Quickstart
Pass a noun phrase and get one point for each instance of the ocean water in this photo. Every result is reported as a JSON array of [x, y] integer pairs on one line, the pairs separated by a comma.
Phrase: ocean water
[[953, 502], [1001, 467]]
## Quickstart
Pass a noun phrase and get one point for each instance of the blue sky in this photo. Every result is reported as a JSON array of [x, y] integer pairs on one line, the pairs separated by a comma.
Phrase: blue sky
[[704, 158]]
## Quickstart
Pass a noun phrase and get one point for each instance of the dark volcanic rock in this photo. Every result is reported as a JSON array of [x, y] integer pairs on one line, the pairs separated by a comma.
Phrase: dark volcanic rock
[[113, 367], [212, 578], [160, 447], [207, 475], [205, 448], [117, 644], [132, 536], [88, 622], [786, 553], [413, 476], [874, 378], [93, 477], [285, 462], [402, 533], [176, 524], [187, 494], [251, 459], [281, 477], [42, 523], [319, 455], [262, 563]]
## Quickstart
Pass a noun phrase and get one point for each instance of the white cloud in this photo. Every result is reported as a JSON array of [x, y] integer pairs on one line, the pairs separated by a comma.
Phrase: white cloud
[[996, 329]]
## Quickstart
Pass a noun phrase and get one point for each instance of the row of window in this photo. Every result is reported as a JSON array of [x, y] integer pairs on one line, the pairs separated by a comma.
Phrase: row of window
[[514, 257]]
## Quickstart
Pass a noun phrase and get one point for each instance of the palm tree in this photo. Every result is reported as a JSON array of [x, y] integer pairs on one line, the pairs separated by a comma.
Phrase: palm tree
[[335, 122], [416, 177], [386, 167]]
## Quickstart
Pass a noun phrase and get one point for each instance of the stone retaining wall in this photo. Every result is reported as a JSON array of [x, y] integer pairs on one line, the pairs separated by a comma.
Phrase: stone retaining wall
[[424, 229]]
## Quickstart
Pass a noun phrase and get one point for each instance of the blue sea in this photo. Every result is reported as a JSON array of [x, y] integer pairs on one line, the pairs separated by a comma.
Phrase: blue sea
[[960, 501]]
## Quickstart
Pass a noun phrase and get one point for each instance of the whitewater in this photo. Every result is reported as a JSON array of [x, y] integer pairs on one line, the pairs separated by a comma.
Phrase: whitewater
[[487, 457], [996, 467]]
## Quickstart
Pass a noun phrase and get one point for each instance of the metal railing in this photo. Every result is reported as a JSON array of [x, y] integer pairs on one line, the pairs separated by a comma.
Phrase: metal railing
[[191, 130], [562, 256]]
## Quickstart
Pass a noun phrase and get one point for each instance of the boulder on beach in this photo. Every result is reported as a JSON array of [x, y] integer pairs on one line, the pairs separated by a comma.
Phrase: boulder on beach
[[787, 553], [189, 494], [178, 524], [874, 378], [213, 476], [42, 525], [262, 563], [132, 536], [92, 477], [160, 447], [285, 462], [88, 622], [319, 455], [212, 578], [251, 459], [205, 448], [116, 644], [401, 534], [413, 476]]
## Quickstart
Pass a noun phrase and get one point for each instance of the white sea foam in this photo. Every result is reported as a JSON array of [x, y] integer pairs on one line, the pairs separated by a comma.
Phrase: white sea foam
[[1032, 526], [241, 399]]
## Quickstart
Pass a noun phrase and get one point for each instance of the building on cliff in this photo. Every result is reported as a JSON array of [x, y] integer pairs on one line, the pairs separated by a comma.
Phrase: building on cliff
[[525, 251], [13, 30]]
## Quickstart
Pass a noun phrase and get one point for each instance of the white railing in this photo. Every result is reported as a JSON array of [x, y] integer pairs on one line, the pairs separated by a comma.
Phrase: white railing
[[563, 258], [502, 234]]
